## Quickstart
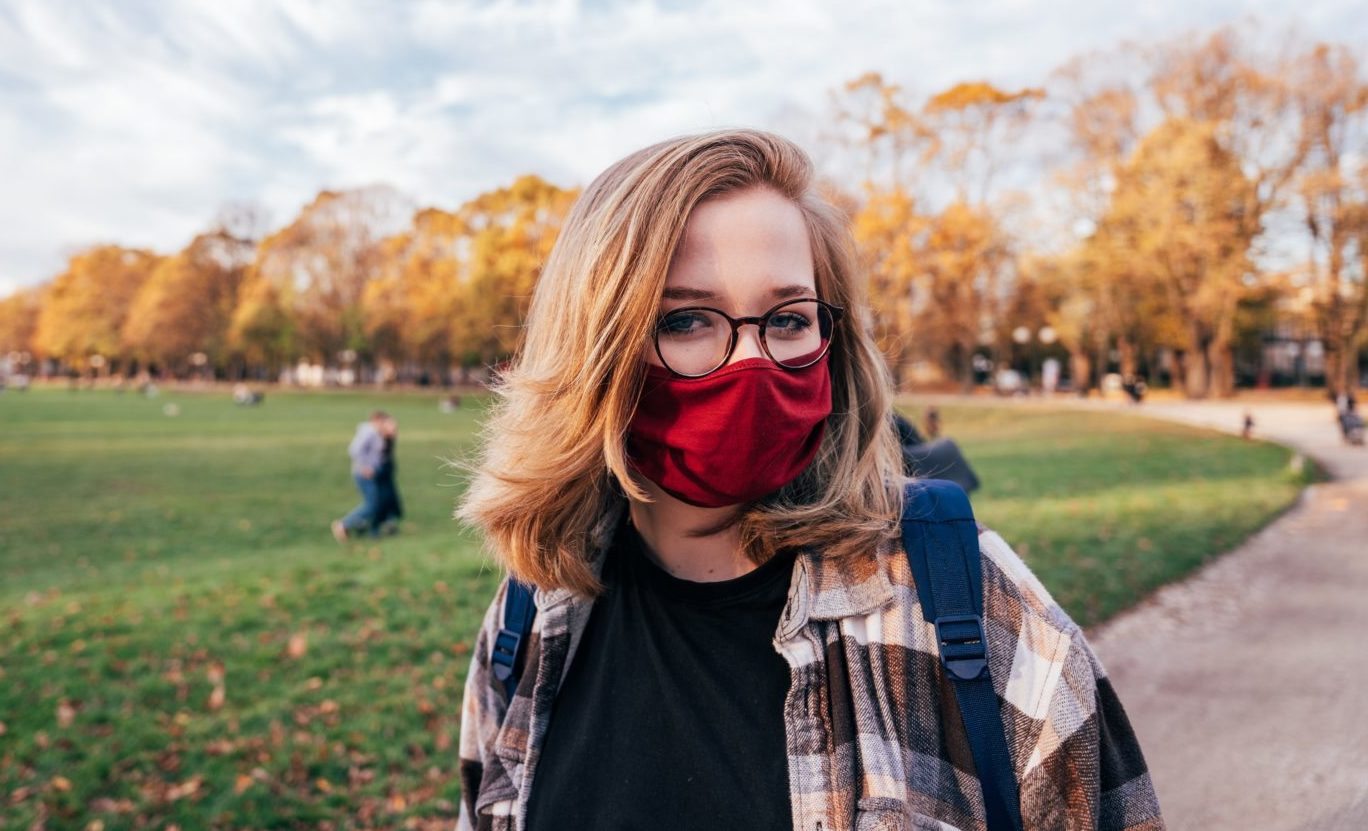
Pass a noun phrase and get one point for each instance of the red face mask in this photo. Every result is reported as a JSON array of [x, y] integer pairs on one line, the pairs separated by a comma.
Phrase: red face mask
[[735, 435]]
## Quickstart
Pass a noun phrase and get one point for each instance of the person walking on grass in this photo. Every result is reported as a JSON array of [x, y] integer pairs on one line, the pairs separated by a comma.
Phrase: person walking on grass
[[691, 466], [367, 451], [389, 507]]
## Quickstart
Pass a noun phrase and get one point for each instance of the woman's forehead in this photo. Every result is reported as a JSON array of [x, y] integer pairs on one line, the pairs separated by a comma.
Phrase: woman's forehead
[[754, 242]]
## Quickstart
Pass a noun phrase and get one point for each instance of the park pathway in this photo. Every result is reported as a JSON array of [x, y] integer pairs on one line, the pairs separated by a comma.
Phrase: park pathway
[[1247, 684]]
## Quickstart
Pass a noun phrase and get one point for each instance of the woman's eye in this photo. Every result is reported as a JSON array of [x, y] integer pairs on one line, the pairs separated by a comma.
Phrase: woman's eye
[[684, 323], [788, 322]]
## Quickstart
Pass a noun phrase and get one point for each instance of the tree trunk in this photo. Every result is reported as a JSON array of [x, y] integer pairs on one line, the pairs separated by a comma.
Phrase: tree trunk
[[1080, 371], [1196, 371], [965, 359], [1103, 364], [1221, 382], [1129, 357], [1341, 364]]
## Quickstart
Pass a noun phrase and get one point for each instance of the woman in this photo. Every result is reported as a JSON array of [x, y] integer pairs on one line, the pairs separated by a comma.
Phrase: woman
[[389, 507], [693, 461]]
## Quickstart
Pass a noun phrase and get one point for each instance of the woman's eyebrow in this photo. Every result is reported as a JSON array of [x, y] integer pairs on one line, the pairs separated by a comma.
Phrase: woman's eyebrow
[[686, 293], [792, 291]]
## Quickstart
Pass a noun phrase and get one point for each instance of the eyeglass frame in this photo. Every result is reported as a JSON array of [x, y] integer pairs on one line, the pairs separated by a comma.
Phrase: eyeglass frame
[[760, 321]]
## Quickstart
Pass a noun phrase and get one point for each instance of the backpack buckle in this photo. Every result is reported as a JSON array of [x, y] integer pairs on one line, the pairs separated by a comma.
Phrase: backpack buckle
[[505, 653], [963, 647]]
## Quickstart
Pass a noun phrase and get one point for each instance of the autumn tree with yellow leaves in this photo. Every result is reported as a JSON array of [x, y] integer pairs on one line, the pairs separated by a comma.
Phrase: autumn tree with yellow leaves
[[302, 295], [929, 228], [19, 319], [1187, 168], [87, 305], [1180, 213], [188, 301], [454, 288], [413, 305], [512, 231]]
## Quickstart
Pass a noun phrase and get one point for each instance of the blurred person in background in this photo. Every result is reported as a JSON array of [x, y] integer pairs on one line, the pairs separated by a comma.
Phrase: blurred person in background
[[367, 450], [389, 507]]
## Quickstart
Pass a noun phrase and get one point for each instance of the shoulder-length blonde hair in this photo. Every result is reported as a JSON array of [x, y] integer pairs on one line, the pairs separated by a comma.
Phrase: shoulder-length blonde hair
[[554, 445]]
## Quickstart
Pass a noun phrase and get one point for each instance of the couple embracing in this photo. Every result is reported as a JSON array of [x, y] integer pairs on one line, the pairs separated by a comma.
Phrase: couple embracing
[[372, 468]]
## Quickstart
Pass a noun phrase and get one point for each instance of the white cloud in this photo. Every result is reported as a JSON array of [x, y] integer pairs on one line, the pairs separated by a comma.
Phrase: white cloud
[[134, 121]]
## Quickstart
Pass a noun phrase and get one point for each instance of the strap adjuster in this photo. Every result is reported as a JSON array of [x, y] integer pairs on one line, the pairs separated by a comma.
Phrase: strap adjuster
[[963, 647], [505, 652]]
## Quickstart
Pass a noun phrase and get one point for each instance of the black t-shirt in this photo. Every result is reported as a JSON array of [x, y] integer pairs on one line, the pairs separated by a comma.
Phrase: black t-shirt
[[670, 715]]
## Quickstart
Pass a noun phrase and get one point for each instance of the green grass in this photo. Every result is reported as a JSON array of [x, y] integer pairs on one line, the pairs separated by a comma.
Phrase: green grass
[[1104, 508], [148, 559]]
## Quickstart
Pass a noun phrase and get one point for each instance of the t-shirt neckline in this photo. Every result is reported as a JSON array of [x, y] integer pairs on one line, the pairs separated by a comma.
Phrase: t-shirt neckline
[[711, 593]]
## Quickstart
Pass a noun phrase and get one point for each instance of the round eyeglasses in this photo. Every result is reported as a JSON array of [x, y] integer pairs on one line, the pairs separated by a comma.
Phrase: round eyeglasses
[[696, 340]]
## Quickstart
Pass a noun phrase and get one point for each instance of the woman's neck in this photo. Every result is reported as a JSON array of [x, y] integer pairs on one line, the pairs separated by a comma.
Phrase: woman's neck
[[664, 525]]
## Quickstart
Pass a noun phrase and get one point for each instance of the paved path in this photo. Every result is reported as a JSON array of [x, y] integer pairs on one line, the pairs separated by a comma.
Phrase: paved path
[[1247, 684]]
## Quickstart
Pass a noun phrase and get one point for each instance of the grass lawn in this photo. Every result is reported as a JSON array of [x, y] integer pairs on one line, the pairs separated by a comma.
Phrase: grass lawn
[[1105, 507], [182, 642]]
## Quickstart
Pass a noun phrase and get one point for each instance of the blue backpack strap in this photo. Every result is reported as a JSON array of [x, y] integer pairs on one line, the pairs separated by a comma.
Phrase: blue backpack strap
[[519, 610], [941, 540]]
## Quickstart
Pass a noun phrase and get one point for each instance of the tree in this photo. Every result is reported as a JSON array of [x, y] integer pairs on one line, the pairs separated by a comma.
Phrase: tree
[[303, 292], [262, 331], [973, 128], [187, 303], [1180, 217], [881, 126], [945, 265], [510, 231], [85, 309], [1332, 102], [455, 286], [412, 308], [889, 232], [19, 319], [966, 255], [1070, 310]]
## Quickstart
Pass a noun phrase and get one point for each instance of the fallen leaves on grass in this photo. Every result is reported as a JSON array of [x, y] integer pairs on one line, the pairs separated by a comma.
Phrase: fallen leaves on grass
[[297, 646], [106, 805], [218, 695], [66, 713], [184, 789]]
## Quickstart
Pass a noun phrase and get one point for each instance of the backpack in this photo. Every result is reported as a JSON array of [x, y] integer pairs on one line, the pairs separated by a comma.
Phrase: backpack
[[936, 459], [941, 540]]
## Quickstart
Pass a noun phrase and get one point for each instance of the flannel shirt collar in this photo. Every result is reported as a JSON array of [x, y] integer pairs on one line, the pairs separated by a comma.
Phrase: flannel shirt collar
[[836, 590]]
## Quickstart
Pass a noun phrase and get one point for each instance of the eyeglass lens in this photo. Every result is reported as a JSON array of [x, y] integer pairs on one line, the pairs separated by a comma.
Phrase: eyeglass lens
[[697, 341]]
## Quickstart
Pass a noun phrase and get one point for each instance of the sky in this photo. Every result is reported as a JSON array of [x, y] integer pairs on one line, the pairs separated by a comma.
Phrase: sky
[[136, 121]]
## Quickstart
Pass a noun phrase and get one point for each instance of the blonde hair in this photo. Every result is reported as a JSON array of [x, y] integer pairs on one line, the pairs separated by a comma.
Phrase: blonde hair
[[553, 456]]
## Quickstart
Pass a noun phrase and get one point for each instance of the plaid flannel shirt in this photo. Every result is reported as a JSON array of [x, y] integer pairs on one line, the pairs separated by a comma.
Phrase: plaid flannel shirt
[[874, 736]]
